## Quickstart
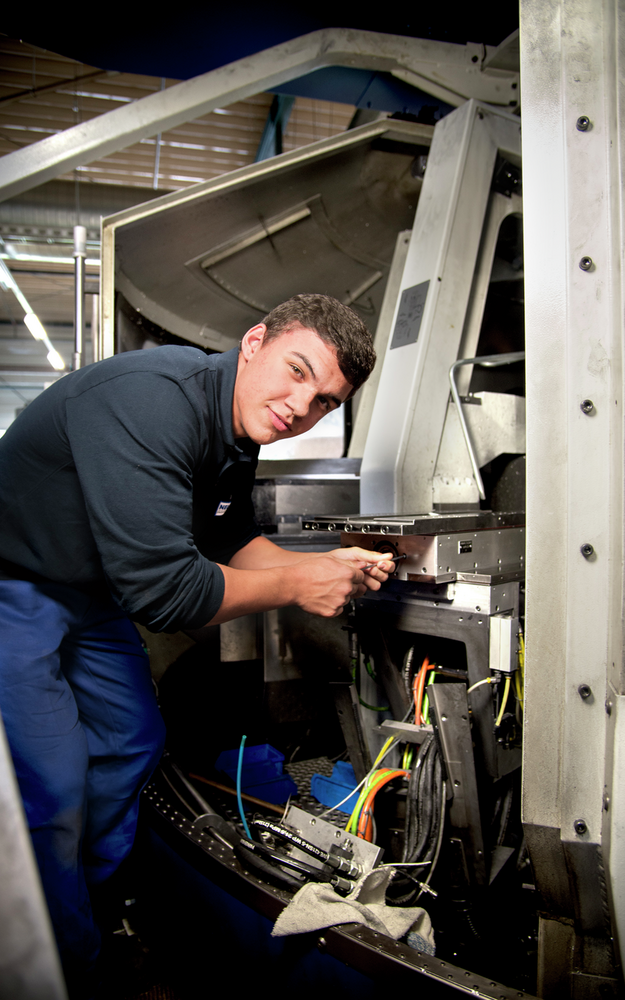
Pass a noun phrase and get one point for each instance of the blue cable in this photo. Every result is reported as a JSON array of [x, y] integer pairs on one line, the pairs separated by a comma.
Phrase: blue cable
[[239, 799]]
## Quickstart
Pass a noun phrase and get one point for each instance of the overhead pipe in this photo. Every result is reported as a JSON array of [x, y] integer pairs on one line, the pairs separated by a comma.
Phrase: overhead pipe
[[80, 254]]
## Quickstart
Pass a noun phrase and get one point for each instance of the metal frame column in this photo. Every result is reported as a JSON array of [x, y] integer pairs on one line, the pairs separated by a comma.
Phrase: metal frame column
[[572, 69]]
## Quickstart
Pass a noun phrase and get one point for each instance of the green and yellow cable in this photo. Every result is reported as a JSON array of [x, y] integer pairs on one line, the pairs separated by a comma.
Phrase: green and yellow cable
[[375, 778]]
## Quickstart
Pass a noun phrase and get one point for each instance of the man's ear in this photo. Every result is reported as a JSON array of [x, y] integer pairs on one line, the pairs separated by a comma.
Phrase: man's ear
[[253, 340]]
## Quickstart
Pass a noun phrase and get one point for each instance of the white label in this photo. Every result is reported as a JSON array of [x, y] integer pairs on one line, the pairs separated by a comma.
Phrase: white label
[[222, 508]]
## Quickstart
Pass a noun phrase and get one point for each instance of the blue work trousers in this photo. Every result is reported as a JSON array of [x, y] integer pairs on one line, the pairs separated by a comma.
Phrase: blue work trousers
[[85, 734]]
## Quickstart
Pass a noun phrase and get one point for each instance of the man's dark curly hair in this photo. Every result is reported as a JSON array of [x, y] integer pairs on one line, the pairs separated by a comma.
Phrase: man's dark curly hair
[[335, 323]]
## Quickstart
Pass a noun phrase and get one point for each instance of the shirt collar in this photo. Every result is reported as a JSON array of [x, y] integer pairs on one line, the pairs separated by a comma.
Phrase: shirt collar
[[226, 366]]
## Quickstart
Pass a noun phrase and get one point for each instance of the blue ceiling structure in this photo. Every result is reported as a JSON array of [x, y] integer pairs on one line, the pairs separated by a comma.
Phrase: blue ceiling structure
[[205, 36]]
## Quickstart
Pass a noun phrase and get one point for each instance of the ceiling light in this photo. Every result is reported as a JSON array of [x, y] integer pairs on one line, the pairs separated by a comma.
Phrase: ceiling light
[[34, 324], [56, 360]]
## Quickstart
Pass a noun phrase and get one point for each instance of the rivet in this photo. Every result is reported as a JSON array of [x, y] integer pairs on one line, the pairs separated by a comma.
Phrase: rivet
[[585, 263], [586, 406], [583, 123]]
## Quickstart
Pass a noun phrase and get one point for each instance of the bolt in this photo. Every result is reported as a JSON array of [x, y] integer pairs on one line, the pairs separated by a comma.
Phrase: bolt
[[585, 263], [580, 827], [322, 944], [608, 707], [606, 802], [586, 406], [584, 691], [583, 123], [586, 550]]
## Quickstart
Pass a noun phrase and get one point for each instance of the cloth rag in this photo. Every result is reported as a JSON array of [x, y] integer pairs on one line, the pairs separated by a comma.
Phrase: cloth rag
[[316, 906]]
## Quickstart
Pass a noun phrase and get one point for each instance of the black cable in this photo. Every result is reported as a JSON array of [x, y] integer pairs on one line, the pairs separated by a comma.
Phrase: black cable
[[301, 867], [424, 819], [344, 865]]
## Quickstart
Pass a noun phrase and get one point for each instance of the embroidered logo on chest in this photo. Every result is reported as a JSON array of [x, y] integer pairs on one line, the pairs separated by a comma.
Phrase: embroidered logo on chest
[[222, 507]]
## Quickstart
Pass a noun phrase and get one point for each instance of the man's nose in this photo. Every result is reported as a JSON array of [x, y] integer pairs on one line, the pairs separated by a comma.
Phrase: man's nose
[[301, 400]]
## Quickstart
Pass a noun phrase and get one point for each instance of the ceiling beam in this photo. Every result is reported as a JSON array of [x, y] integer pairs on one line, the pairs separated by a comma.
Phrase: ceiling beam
[[453, 73]]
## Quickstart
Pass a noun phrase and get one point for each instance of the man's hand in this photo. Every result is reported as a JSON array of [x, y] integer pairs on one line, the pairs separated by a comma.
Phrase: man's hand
[[332, 579], [262, 576], [376, 574]]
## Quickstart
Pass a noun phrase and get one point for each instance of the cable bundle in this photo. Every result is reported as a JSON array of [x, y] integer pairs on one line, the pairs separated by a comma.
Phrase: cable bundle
[[425, 807]]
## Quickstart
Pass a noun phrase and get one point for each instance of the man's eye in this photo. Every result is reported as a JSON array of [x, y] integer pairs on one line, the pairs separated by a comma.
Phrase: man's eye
[[298, 371], [324, 402]]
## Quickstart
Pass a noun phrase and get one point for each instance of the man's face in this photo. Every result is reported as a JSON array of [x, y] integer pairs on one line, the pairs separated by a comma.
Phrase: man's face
[[285, 386]]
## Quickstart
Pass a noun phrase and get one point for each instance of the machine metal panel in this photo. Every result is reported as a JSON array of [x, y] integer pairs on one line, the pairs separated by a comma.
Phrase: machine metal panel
[[411, 403], [439, 558], [452, 724]]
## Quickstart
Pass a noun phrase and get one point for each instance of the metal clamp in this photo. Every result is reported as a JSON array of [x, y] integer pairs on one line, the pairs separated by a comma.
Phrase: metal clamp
[[489, 361]]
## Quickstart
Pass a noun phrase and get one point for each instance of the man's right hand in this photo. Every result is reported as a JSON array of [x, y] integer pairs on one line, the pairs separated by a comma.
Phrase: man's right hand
[[323, 586]]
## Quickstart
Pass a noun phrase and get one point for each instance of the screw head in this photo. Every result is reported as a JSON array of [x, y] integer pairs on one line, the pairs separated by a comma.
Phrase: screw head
[[584, 691], [608, 707], [583, 123], [586, 550], [580, 827], [586, 406], [585, 263]]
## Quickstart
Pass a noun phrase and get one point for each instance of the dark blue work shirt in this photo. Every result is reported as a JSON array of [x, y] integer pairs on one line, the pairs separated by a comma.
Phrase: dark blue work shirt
[[126, 473]]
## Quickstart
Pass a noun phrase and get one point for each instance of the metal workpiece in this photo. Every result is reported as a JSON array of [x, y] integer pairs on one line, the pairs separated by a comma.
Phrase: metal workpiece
[[437, 292], [451, 712]]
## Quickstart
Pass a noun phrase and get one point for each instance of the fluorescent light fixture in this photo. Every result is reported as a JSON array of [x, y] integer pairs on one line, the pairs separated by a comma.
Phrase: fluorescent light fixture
[[34, 324], [55, 359]]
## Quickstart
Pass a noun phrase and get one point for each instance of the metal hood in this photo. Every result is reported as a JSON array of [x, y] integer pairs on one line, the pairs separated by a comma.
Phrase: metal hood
[[209, 262]]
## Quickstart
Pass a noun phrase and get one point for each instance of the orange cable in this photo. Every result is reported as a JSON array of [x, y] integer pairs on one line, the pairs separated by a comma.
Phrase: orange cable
[[365, 824]]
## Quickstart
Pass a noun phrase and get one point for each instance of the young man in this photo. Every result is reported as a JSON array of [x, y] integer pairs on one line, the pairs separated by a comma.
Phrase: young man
[[125, 492]]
